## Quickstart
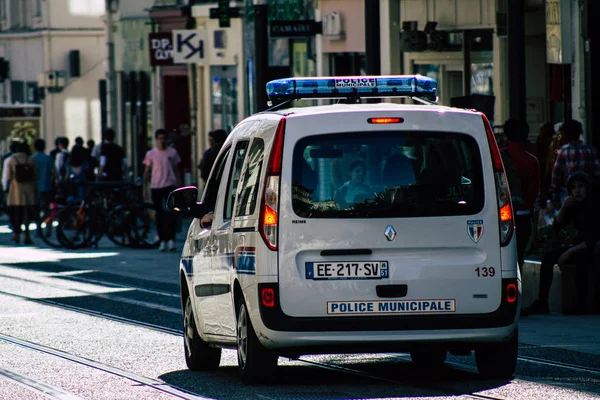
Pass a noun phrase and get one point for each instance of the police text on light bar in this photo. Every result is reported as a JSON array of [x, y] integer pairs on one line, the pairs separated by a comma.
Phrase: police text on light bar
[[352, 87]]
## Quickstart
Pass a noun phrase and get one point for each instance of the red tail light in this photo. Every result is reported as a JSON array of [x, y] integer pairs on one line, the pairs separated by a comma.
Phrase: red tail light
[[512, 293], [269, 217], [385, 120], [267, 297], [505, 210]]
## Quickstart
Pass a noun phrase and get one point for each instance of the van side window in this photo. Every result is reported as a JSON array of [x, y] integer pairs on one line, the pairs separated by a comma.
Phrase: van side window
[[239, 156], [212, 187], [250, 182]]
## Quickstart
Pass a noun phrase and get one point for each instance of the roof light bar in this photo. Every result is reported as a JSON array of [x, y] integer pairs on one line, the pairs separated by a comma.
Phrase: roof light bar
[[352, 87]]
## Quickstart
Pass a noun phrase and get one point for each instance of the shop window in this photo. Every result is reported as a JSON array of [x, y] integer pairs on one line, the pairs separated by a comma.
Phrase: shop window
[[224, 98], [17, 91]]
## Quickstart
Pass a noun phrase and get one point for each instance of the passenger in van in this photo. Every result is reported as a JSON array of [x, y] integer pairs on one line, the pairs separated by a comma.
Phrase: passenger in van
[[579, 208], [354, 190]]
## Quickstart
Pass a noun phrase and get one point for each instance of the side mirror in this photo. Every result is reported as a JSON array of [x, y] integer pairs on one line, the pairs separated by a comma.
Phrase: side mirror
[[184, 201]]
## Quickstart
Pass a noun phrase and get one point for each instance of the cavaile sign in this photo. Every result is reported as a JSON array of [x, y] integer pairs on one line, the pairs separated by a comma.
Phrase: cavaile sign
[[161, 48]]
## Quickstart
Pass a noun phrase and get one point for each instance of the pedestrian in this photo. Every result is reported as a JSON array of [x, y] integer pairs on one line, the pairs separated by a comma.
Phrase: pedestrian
[[543, 153], [573, 156], [78, 142], [113, 161], [216, 139], [162, 170], [56, 148], [23, 192], [580, 209], [46, 176], [78, 172], [524, 182], [5, 176], [62, 156]]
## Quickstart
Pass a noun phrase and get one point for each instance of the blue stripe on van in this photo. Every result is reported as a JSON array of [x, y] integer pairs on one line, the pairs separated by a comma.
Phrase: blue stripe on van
[[187, 264], [245, 260]]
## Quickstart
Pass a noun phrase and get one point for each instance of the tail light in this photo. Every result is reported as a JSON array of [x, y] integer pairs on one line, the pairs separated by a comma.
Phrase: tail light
[[269, 212], [267, 297], [505, 211], [512, 293]]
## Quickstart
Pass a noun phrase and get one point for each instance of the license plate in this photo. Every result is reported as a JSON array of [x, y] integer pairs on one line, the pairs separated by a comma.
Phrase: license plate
[[347, 270]]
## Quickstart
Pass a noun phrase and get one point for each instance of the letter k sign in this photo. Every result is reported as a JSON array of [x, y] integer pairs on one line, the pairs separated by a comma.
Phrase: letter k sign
[[188, 46]]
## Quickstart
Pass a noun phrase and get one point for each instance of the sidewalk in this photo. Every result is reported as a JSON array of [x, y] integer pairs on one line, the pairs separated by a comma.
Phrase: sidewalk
[[569, 332]]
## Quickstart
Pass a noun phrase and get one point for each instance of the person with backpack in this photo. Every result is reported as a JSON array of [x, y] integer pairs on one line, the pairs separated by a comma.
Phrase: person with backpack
[[23, 191], [523, 174]]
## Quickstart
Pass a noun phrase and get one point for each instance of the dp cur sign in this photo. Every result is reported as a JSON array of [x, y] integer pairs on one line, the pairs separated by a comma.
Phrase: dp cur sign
[[161, 48]]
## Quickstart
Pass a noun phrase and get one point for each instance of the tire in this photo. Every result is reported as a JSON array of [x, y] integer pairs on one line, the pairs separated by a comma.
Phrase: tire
[[144, 233], [499, 360], [255, 363], [74, 229], [47, 229], [119, 228], [199, 356], [428, 358]]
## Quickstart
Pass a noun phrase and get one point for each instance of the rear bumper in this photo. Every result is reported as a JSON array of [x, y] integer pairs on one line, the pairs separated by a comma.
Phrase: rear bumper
[[294, 344], [274, 319]]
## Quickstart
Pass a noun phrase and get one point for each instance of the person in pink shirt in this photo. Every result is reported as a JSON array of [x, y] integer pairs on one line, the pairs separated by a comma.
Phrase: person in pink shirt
[[162, 171]]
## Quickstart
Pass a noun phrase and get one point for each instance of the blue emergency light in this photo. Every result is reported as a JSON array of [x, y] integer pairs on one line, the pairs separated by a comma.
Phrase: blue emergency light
[[352, 87]]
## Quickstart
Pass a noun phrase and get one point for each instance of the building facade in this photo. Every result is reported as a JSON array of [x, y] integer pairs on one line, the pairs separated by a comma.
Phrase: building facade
[[133, 74], [56, 55]]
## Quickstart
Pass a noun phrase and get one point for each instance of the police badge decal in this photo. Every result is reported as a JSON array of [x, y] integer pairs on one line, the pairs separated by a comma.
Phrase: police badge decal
[[475, 229]]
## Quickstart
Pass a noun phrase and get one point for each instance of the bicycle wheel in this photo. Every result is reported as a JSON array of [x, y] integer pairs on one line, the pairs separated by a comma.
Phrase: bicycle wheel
[[47, 228], [118, 229], [75, 229], [144, 234]]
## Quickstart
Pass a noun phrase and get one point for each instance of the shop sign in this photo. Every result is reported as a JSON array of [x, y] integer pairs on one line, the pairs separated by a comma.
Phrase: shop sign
[[188, 46], [161, 48], [288, 10], [294, 28], [558, 32]]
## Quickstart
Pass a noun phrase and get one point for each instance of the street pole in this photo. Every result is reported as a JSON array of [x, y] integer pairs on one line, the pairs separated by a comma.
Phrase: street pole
[[261, 53], [111, 75], [517, 106], [372, 37]]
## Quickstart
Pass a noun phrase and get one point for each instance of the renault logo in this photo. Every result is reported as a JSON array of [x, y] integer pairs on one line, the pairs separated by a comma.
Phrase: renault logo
[[390, 233]]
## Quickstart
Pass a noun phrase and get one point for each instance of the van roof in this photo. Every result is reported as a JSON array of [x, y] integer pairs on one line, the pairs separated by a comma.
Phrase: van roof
[[351, 108]]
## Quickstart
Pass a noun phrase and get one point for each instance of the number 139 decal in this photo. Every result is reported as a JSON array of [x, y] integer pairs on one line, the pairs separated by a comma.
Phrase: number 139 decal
[[485, 272]]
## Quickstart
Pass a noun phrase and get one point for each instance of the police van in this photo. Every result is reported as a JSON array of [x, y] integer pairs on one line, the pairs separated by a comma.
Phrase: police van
[[352, 227]]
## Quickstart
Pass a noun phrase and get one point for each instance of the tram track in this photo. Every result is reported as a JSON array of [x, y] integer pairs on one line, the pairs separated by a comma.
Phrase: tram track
[[139, 379], [161, 386]]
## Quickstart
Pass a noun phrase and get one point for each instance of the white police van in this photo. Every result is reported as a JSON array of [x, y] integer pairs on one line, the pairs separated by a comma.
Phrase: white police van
[[350, 228]]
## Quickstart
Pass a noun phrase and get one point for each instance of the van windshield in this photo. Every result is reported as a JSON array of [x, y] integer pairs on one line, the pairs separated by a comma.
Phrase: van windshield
[[391, 174]]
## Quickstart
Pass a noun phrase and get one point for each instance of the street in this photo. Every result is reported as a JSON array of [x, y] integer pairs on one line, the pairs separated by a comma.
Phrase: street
[[106, 324]]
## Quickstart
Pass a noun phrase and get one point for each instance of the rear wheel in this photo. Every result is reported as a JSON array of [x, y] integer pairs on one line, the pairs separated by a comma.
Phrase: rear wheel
[[255, 363], [199, 356], [143, 229], [118, 229], [48, 223], [75, 227], [498, 360], [428, 358]]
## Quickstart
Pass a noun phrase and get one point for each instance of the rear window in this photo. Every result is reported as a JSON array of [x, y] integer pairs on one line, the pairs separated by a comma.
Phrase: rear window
[[394, 174]]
